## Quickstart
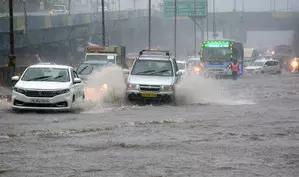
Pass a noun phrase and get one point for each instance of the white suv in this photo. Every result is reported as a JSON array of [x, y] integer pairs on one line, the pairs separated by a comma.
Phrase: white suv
[[264, 66], [153, 76], [47, 87]]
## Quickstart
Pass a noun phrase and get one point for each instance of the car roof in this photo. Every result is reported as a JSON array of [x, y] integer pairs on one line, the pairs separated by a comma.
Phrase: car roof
[[180, 61], [50, 66], [265, 60]]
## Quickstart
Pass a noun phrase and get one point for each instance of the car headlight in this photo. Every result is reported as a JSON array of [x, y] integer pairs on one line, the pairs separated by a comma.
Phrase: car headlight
[[19, 90], [167, 87], [133, 86], [59, 92]]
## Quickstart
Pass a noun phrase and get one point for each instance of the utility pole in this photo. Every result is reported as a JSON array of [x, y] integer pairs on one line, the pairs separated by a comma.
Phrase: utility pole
[[103, 23], [97, 6], [175, 16], [207, 8], [235, 6], [134, 5], [118, 7], [214, 20], [274, 5], [149, 23], [12, 58], [69, 7], [195, 36], [288, 5], [25, 16]]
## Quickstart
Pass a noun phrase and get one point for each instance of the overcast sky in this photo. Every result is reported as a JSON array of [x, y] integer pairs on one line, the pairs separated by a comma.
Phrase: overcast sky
[[226, 5]]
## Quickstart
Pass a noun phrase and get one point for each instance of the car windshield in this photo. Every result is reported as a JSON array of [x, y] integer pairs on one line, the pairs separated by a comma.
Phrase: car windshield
[[152, 68], [58, 8], [216, 53], [181, 66], [86, 69], [258, 63], [46, 74]]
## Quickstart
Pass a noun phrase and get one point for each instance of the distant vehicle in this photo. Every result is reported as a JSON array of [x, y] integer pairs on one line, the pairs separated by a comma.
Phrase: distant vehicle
[[153, 76], [217, 56], [294, 65], [282, 51], [182, 65], [264, 66], [85, 69], [59, 10], [194, 65], [47, 87], [107, 54], [250, 55]]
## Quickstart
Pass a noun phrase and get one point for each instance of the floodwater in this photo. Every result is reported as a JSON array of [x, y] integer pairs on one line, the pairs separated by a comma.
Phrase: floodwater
[[248, 127]]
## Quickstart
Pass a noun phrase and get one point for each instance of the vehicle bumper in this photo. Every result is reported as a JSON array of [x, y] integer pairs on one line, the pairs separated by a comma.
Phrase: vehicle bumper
[[59, 102], [253, 71], [218, 73], [165, 96]]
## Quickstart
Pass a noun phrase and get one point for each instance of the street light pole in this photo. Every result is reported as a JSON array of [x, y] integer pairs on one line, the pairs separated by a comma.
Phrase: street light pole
[[149, 23], [12, 58], [175, 19], [69, 7], [207, 8], [195, 36], [103, 24], [214, 20], [97, 6]]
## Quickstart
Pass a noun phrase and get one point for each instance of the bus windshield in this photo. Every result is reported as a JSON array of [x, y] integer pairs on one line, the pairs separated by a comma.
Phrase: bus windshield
[[216, 53]]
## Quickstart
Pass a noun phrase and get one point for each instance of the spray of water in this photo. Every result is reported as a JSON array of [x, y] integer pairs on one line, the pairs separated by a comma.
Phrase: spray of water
[[105, 87], [195, 89]]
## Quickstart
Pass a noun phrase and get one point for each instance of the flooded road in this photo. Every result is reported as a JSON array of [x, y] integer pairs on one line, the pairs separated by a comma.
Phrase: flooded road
[[255, 133]]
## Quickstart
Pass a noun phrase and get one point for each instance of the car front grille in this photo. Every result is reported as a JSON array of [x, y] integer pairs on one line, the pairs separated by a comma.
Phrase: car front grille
[[45, 105], [35, 93], [151, 88]]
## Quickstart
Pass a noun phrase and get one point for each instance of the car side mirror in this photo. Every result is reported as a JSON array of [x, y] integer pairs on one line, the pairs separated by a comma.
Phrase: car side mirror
[[126, 71], [77, 80], [179, 73], [15, 78]]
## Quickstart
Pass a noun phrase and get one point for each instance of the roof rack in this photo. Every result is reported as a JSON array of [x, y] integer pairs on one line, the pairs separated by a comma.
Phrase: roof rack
[[46, 63], [154, 53]]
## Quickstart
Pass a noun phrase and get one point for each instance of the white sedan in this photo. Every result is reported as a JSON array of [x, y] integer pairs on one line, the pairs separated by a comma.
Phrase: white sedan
[[47, 87]]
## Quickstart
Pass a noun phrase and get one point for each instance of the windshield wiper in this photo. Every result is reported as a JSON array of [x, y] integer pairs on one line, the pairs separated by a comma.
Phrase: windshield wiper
[[162, 71], [39, 78], [145, 72], [83, 69]]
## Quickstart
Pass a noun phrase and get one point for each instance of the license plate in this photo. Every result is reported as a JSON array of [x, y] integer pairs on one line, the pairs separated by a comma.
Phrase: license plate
[[39, 101], [149, 95]]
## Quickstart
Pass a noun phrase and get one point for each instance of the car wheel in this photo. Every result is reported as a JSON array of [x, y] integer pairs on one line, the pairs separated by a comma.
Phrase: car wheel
[[279, 72]]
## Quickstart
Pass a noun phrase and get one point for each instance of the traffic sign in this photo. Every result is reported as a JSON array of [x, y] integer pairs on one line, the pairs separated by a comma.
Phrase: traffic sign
[[186, 8]]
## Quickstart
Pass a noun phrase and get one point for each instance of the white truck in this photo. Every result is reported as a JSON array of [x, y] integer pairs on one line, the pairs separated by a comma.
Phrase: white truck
[[106, 55]]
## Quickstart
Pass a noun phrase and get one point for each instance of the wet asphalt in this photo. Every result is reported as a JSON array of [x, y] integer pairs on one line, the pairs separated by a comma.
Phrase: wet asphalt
[[255, 134]]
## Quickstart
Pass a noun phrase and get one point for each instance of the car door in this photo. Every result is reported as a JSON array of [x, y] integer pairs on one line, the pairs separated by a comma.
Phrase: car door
[[267, 66], [78, 87], [272, 68]]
